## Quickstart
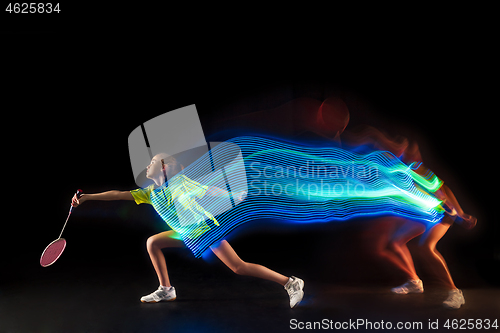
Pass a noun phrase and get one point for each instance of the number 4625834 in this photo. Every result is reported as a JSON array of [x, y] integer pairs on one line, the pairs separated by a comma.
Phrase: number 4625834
[[32, 8]]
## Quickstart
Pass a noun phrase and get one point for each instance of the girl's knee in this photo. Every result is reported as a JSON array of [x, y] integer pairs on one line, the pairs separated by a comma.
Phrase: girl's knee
[[393, 246], [397, 243], [426, 248], [240, 268], [150, 243]]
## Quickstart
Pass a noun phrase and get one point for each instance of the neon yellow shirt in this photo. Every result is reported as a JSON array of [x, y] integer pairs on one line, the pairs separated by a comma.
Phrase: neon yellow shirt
[[184, 193]]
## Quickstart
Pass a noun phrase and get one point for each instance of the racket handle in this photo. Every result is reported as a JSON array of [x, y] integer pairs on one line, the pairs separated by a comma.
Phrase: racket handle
[[79, 193]]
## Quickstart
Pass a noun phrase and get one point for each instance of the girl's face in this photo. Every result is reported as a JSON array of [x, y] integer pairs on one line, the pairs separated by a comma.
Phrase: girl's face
[[154, 169]]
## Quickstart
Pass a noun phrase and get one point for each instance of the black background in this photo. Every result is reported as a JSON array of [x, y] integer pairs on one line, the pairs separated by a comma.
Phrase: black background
[[74, 90]]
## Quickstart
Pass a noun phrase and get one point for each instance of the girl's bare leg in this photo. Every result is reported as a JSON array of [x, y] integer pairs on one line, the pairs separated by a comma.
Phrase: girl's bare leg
[[396, 251], [228, 256], [433, 258], [409, 260], [402, 236], [154, 245], [399, 257]]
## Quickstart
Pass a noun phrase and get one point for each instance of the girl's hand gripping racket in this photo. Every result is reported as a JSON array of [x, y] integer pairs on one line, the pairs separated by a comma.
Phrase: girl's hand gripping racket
[[54, 250]]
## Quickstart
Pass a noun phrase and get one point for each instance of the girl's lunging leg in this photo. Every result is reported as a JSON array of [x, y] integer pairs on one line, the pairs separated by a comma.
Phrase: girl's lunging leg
[[228, 256], [437, 264], [434, 260], [154, 245], [293, 285]]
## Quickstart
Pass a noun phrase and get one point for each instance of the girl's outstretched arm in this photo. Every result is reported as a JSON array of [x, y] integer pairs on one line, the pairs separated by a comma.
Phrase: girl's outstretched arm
[[107, 196]]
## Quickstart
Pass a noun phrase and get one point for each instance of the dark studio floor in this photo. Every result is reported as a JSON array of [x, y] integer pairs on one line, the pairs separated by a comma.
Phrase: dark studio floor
[[82, 294], [229, 304]]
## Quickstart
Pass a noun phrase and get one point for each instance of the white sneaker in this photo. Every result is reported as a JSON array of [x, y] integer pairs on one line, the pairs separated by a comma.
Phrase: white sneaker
[[160, 295], [410, 287], [455, 299], [294, 288]]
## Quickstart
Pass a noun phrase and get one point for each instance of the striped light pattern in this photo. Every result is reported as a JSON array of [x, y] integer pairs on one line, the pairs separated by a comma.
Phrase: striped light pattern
[[252, 178]]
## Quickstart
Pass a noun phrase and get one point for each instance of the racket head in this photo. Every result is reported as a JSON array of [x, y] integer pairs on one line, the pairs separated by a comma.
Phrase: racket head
[[52, 252]]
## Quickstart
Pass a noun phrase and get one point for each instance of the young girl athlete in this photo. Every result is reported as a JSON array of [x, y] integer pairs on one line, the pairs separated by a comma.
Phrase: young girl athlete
[[162, 165]]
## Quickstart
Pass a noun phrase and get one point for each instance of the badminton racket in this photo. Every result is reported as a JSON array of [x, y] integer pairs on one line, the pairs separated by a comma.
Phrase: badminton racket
[[54, 250]]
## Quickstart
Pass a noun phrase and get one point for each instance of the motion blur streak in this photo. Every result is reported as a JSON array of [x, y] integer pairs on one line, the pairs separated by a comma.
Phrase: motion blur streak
[[297, 184]]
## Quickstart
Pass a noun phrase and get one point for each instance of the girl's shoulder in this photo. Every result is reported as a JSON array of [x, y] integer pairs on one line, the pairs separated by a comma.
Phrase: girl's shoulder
[[143, 195]]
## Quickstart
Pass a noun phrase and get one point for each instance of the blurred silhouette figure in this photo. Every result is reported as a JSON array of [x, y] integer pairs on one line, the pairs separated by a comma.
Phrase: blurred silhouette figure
[[328, 120], [394, 247], [299, 117]]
